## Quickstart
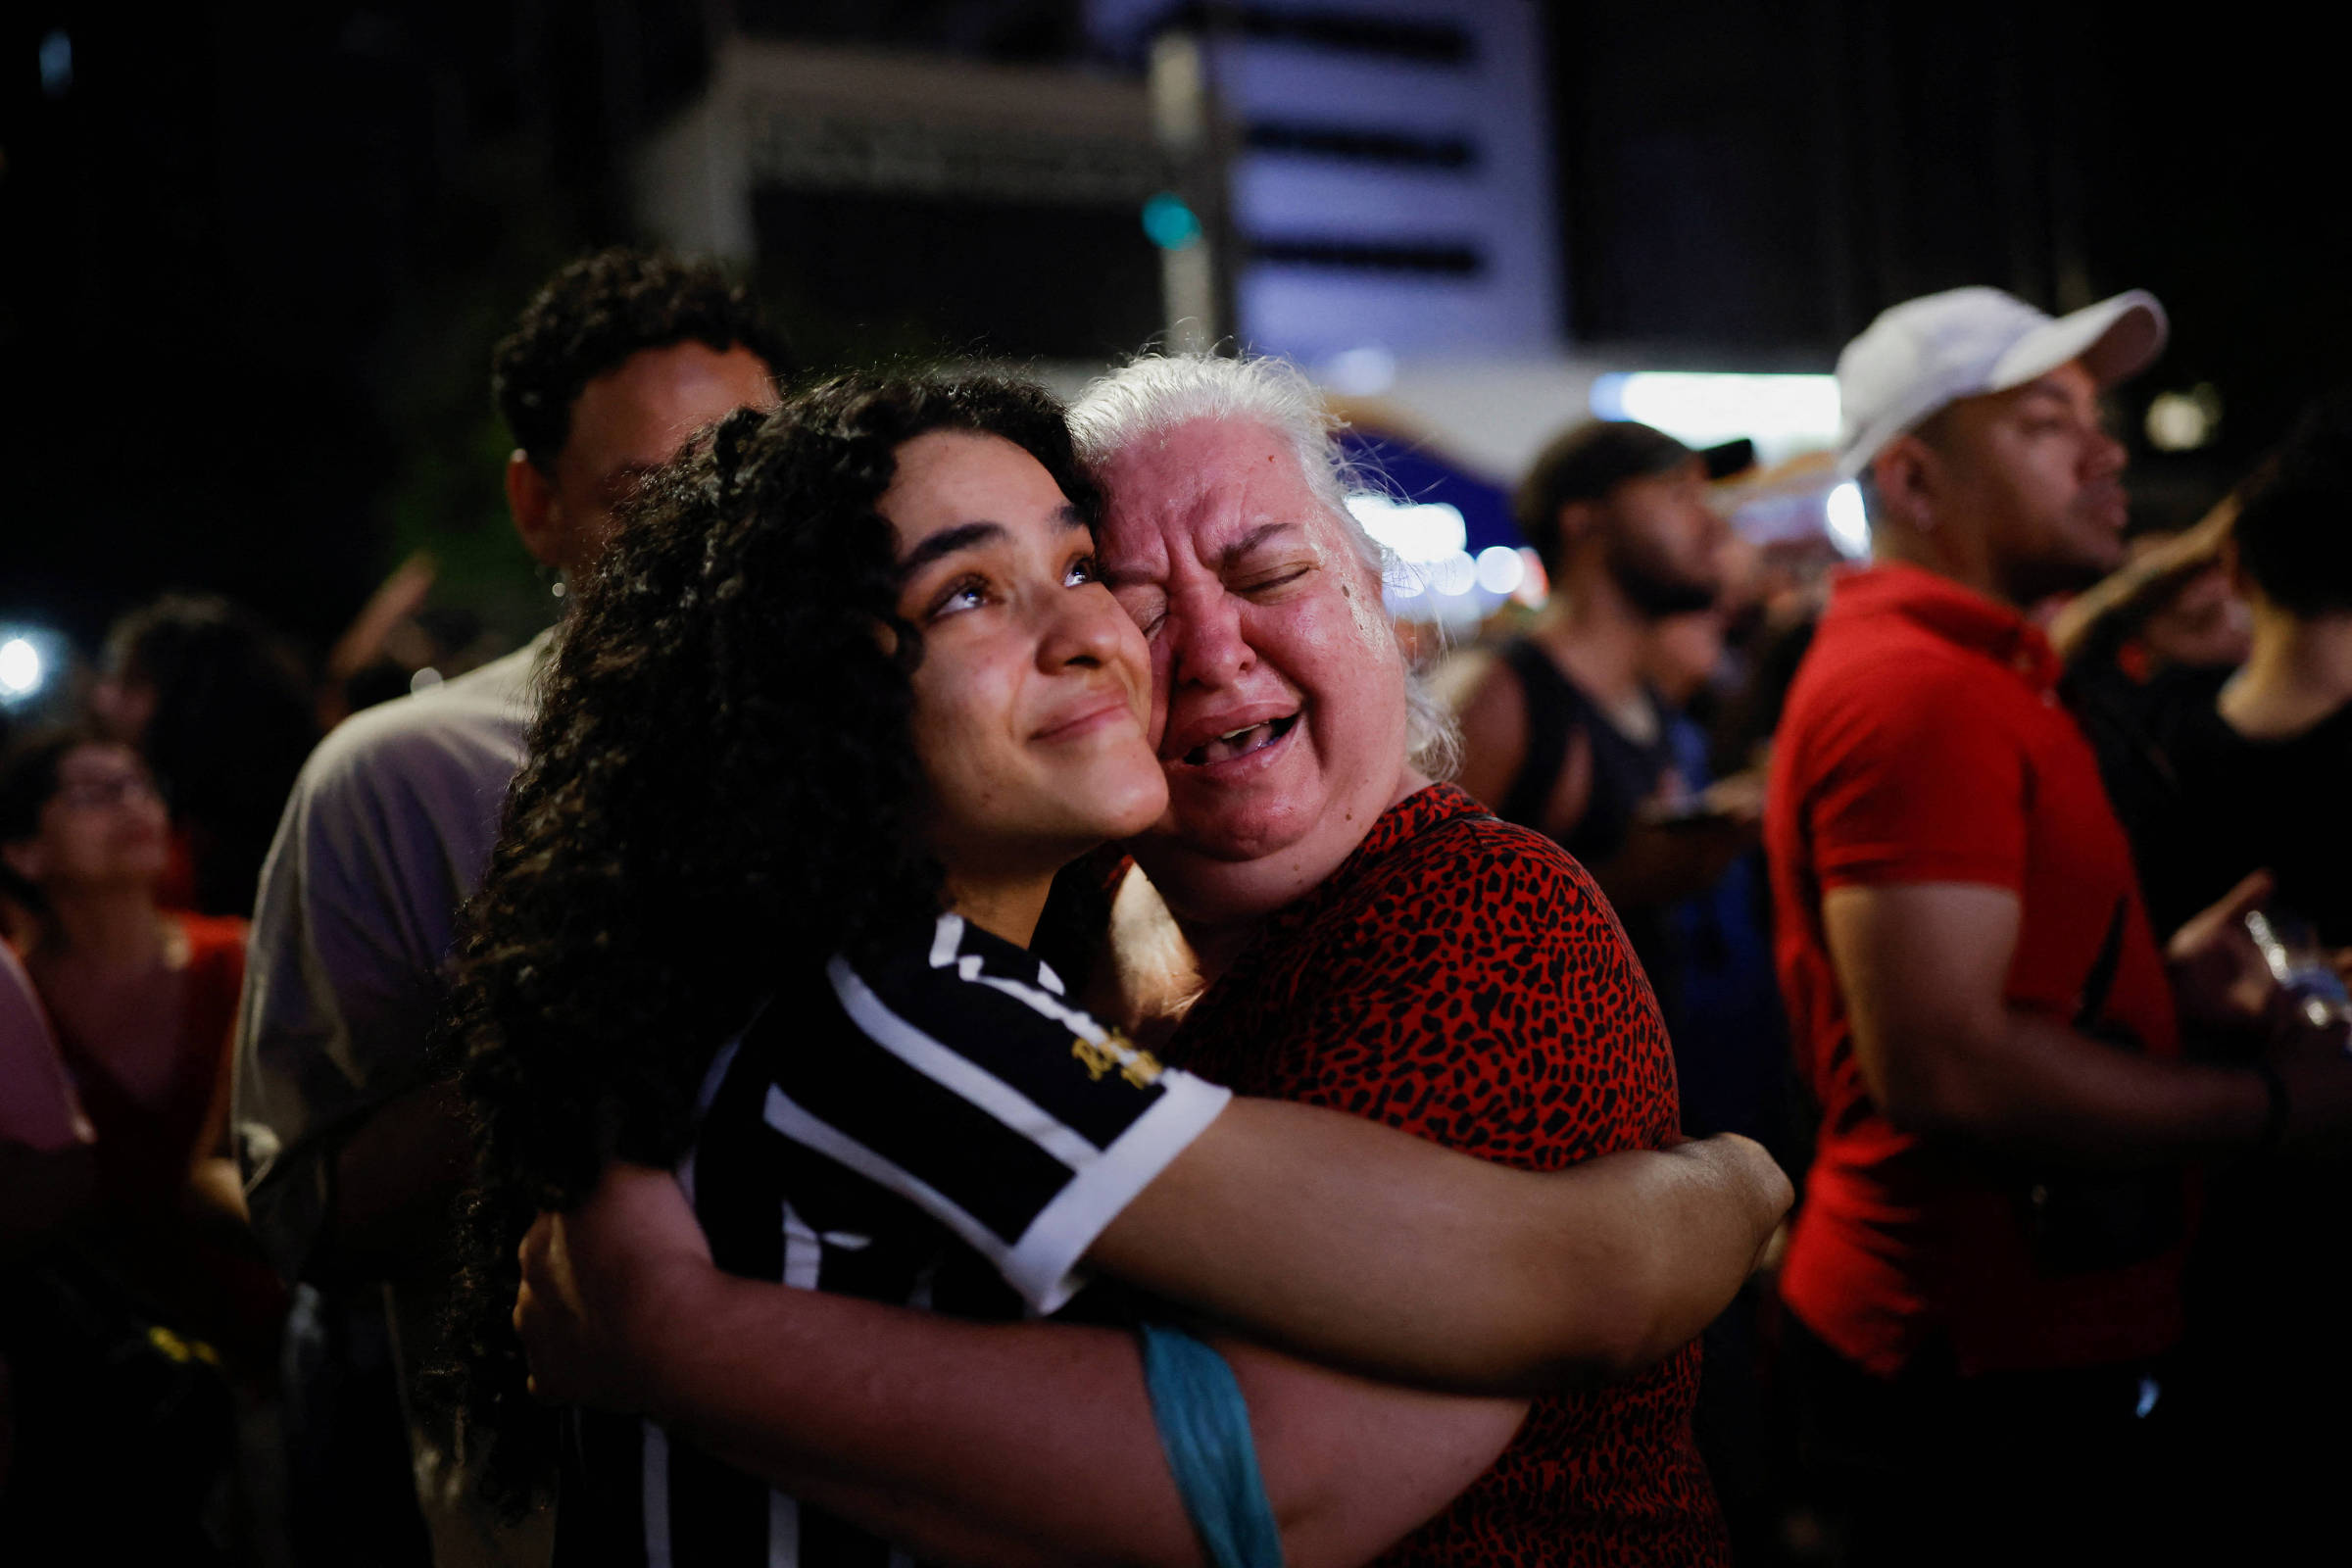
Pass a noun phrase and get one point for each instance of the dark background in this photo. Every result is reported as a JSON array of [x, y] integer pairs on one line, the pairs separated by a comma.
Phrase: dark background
[[252, 257]]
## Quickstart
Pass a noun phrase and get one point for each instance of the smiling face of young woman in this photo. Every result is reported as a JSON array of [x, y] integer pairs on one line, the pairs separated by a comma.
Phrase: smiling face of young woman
[[1035, 688]]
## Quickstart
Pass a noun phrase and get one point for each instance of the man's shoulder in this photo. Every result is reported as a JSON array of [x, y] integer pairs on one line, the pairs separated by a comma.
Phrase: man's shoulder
[[471, 726], [1886, 686], [1886, 653]]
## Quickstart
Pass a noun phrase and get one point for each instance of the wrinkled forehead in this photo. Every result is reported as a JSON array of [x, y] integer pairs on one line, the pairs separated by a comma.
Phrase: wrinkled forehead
[[1201, 488]]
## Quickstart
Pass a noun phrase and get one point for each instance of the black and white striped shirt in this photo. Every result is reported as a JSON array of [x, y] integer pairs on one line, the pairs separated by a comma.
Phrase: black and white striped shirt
[[942, 1129]]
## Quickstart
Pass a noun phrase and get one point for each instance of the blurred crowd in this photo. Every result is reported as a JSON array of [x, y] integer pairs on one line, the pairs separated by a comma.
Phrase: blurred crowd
[[1999, 886]]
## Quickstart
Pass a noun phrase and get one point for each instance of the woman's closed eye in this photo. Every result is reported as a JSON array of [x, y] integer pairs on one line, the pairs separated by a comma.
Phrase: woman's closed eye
[[1262, 573], [1277, 577], [1148, 607]]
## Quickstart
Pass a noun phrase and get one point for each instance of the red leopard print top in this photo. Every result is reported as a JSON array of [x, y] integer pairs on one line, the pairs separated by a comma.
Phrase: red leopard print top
[[1461, 978]]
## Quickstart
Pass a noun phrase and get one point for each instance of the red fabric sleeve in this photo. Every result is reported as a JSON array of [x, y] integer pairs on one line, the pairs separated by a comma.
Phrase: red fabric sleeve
[[1919, 779]]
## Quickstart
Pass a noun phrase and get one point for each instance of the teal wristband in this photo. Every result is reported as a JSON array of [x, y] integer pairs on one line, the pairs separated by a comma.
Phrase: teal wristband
[[1204, 1431]]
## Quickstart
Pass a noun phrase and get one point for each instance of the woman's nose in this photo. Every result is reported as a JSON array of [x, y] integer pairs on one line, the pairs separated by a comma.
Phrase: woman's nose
[[1204, 632], [1083, 627]]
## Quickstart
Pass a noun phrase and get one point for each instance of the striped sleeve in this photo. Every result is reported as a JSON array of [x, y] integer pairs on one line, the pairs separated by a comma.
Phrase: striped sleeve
[[970, 1086]]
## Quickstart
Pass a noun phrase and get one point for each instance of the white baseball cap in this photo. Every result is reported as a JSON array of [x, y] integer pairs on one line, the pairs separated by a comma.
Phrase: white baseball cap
[[1964, 342]]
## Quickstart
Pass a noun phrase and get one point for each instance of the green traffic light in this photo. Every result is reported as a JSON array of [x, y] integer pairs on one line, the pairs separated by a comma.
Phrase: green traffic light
[[1169, 223]]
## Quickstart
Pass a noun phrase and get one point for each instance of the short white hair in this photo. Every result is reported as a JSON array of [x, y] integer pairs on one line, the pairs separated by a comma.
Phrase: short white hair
[[1154, 394]]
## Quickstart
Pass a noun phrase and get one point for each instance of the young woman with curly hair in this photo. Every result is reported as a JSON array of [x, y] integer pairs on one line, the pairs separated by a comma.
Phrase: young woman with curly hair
[[843, 698]]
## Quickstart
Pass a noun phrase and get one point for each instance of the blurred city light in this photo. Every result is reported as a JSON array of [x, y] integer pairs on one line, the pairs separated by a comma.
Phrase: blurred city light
[[1849, 521], [19, 669], [56, 63], [1455, 576], [1420, 533], [1501, 571], [1361, 372], [1169, 223], [1536, 587], [2182, 421], [1784, 414]]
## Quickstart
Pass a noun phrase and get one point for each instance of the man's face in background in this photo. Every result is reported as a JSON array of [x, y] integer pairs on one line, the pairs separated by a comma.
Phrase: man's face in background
[[2036, 469], [1663, 540], [624, 424]]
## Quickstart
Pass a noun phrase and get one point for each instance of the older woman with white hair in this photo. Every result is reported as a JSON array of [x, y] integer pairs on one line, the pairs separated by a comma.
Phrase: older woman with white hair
[[1371, 939]]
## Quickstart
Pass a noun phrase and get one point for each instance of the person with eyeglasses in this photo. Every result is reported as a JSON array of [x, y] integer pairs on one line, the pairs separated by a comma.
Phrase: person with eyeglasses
[[143, 1285]]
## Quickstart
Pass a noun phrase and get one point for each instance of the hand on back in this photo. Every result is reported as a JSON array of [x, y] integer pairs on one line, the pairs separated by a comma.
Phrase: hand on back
[[605, 1285]]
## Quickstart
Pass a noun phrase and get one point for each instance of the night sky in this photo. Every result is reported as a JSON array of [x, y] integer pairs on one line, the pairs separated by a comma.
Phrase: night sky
[[252, 257]]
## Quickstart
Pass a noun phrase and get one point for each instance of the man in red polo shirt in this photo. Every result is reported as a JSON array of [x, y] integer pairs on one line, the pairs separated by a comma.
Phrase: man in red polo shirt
[[1987, 1266]]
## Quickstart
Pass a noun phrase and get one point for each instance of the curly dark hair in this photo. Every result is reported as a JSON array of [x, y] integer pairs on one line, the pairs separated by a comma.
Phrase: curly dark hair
[[721, 791], [597, 312]]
